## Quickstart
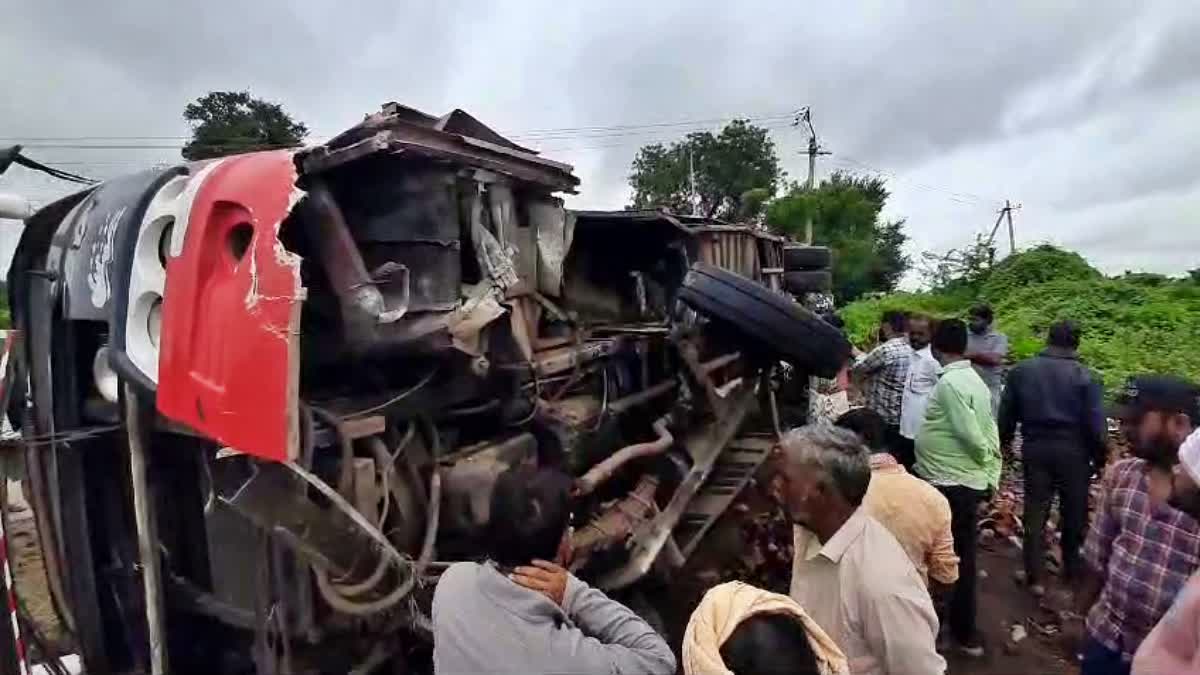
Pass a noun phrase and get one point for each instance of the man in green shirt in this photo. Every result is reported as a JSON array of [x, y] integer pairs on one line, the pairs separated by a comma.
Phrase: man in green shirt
[[958, 452]]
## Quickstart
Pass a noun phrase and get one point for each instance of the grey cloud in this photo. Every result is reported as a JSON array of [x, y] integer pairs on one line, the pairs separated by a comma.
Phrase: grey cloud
[[897, 85]]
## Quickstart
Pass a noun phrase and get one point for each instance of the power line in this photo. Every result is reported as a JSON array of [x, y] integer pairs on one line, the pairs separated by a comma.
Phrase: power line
[[12, 155], [959, 196], [591, 138], [616, 130], [607, 141]]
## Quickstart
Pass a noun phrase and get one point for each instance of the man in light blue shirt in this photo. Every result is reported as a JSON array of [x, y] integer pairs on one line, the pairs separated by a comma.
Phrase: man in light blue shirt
[[521, 611]]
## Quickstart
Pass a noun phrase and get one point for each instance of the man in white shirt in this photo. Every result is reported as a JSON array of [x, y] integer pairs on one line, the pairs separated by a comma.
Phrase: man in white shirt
[[849, 572], [923, 371]]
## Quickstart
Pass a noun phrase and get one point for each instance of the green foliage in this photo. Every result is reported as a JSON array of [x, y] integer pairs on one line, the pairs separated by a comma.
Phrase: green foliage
[[868, 251], [737, 171], [231, 122], [1035, 266], [1132, 324]]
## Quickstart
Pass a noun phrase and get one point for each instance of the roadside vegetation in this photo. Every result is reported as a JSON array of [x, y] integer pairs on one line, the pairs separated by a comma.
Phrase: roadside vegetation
[[1132, 323]]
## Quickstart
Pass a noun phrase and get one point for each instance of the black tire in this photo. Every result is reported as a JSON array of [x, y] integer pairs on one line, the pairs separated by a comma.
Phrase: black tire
[[796, 258], [770, 319], [808, 281]]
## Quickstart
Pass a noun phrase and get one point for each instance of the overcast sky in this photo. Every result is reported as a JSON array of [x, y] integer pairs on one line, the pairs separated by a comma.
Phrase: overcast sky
[[1086, 113]]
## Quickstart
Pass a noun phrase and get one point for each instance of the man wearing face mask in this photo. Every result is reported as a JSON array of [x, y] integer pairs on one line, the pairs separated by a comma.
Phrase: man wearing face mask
[[1173, 647], [1140, 550]]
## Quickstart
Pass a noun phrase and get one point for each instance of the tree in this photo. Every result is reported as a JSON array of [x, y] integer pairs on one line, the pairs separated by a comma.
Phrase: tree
[[736, 171], [868, 250], [232, 122], [964, 267]]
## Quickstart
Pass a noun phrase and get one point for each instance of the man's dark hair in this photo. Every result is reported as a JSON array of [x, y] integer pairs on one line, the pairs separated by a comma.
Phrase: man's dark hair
[[531, 509], [1064, 334], [896, 319], [982, 311], [951, 337], [868, 424], [769, 644]]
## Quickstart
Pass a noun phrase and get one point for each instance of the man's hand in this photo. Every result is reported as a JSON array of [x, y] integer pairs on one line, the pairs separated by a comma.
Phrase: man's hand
[[544, 577]]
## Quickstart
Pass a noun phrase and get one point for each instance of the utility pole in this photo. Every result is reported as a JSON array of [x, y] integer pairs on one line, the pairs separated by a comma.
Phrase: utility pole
[[804, 116], [1005, 214], [695, 198]]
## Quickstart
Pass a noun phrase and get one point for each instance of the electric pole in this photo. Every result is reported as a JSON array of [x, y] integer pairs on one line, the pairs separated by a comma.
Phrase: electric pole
[[804, 116], [1005, 214], [694, 198]]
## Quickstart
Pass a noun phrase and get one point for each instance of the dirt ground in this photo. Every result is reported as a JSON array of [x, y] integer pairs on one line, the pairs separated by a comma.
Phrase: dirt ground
[[30, 577]]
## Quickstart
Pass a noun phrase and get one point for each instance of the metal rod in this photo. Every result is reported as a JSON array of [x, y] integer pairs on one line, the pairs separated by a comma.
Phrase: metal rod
[[147, 548], [652, 392]]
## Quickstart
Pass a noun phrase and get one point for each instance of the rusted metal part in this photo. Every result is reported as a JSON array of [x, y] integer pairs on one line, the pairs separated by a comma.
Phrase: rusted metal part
[[605, 470], [562, 359], [691, 358], [573, 411], [616, 523], [705, 444], [469, 475], [405, 509], [734, 468]]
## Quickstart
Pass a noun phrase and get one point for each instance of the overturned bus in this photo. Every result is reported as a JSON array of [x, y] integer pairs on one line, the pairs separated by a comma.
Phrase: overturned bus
[[266, 395]]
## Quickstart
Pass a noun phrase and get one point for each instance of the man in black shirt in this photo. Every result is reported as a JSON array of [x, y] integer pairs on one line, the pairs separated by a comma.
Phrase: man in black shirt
[[1058, 403]]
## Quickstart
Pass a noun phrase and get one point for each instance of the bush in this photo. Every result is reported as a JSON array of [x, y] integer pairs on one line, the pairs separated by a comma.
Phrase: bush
[[1132, 324], [1035, 266]]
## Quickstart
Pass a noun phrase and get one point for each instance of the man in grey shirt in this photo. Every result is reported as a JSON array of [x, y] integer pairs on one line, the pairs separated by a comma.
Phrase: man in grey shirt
[[987, 349], [520, 613]]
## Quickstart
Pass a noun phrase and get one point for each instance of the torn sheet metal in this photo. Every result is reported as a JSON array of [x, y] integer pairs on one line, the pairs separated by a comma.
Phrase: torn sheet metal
[[454, 139], [466, 323], [495, 259], [231, 312], [553, 227], [518, 238]]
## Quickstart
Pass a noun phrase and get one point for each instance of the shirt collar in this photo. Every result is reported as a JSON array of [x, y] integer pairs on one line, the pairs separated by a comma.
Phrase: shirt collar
[[883, 462], [958, 365], [1060, 353], [840, 542]]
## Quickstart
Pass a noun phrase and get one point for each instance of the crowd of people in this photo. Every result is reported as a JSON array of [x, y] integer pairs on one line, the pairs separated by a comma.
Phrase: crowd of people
[[885, 501]]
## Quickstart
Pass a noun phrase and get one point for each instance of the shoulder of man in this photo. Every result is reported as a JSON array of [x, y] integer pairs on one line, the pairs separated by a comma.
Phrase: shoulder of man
[[877, 544], [458, 576], [1125, 472]]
